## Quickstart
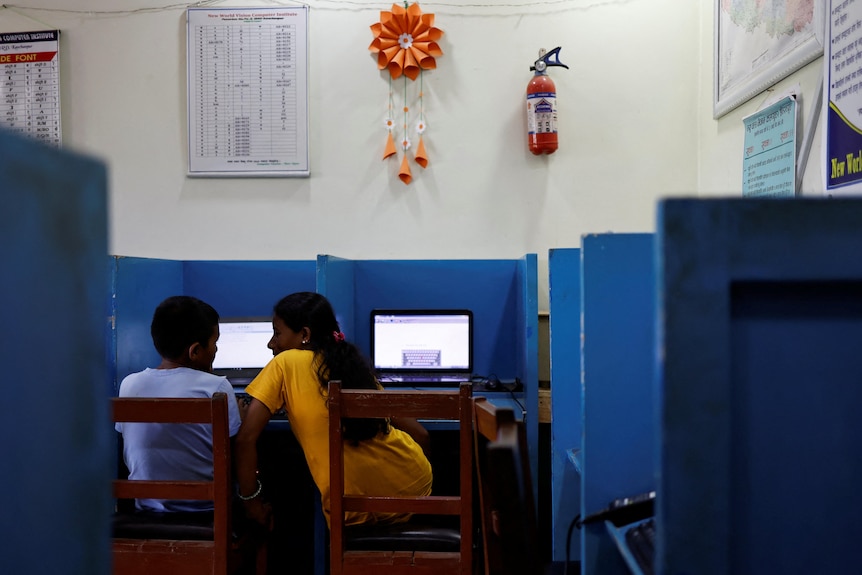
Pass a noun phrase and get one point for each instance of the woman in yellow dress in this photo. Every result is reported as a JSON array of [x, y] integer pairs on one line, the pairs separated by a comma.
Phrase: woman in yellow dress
[[382, 456]]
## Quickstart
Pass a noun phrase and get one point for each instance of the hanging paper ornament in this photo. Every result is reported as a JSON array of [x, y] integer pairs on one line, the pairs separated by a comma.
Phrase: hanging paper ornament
[[405, 41], [404, 172], [390, 147], [421, 158]]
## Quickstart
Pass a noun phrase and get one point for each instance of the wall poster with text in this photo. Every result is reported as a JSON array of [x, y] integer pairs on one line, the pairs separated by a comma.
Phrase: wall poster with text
[[842, 102], [30, 84], [247, 91]]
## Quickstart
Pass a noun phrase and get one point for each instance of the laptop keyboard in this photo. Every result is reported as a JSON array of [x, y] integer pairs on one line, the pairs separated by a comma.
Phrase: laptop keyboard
[[420, 358]]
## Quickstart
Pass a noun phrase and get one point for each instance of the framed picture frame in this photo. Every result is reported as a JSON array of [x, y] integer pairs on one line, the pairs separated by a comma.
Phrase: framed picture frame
[[757, 44]]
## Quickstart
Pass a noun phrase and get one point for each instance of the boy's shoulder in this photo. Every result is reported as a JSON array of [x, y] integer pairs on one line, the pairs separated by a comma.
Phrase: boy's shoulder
[[177, 382]]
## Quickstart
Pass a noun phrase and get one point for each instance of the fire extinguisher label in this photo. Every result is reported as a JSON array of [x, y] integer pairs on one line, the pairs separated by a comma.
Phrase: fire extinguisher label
[[542, 113]]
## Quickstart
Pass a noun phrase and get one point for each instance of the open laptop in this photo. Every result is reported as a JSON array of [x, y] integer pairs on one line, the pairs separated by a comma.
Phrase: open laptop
[[419, 347], [242, 350]]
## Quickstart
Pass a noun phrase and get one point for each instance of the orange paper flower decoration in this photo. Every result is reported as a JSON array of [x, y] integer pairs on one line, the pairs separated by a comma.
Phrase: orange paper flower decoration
[[405, 41]]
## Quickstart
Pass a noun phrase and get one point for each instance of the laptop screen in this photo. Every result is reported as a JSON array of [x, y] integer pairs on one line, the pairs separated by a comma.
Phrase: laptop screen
[[242, 347], [426, 341]]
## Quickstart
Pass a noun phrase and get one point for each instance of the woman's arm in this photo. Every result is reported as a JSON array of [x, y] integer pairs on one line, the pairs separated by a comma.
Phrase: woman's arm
[[256, 417], [415, 430]]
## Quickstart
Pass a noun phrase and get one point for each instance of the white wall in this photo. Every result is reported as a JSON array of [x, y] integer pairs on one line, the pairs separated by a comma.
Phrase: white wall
[[632, 109]]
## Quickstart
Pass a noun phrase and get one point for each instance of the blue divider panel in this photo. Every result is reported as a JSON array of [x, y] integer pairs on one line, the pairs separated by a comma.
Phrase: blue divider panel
[[336, 281], [488, 287], [246, 288], [564, 267], [501, 294], [234, 288], [618, 306], [527, 344], [762, 308], [54, 433], [139, 285]]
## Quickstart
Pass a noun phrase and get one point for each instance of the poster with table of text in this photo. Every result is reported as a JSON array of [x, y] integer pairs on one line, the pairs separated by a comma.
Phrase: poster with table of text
[[248, 91], [30, 84]]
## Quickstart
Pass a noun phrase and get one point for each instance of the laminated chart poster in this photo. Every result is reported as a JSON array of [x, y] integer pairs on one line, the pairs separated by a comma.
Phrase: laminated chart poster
[[842, 98], [30, 84], [248, 91], [769, 160]]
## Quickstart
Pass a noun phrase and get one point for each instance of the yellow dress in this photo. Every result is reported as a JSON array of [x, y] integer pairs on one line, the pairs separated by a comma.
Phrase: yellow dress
[[389, 464]]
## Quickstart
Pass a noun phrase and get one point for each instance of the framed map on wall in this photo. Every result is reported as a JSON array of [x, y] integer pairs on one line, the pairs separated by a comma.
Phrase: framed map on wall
[[759, 43]]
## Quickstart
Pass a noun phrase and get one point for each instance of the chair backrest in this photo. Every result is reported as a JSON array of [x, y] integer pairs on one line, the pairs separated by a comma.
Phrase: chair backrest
[[509, 523], [449, 404], [141, 556]]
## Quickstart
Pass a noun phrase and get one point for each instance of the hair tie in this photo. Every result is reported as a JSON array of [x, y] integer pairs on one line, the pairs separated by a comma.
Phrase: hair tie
[[338, 336]]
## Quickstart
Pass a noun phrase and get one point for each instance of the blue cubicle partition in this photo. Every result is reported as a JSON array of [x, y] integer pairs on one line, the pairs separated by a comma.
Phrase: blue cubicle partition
[[564, 281], [618, 360], [233, 288], [55, 491], [760, 461], [502, 294]]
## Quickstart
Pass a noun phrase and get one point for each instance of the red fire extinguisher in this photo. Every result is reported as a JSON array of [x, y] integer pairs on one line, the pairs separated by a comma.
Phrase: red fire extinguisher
[[542, 104]]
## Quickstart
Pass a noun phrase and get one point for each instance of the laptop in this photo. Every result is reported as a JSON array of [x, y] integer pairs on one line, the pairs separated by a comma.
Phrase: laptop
[[422, 347], [242, 350]]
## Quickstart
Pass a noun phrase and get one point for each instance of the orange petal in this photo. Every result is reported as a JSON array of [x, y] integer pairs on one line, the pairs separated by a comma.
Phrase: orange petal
[[389, 25], [386, 56], [421, 157], [430, 48], [404, 172], [426, 62], [390, 147], [386, 43], [411, 67], [399, 16], [374, 46], [390, 30], [429, 35], [396, 65], [414, 16], [376, 28]]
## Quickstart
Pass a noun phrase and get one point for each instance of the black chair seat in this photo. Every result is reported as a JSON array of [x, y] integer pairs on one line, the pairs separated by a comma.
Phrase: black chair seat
[[410, 536], [154, 525]]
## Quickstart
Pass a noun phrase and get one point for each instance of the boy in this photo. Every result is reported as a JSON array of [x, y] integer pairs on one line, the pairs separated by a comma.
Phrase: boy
[[184, 331]]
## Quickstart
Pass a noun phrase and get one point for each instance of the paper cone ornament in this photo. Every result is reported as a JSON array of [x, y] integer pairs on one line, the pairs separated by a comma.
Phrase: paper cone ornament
[[421, 158], [405, 41], [405, 45], [404, 172], [390, 147]]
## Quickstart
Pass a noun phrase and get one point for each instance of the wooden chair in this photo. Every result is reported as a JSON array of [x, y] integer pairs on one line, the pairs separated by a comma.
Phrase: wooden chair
[[509, 523], [413, 547], [181, 543]]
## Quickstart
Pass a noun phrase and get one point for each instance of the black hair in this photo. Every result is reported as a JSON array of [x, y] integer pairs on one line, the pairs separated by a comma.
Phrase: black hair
[[180, 321], [335, 358]]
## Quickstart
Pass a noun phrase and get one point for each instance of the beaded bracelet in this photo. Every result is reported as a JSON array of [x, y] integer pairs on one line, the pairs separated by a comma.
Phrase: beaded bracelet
[[253, 495]]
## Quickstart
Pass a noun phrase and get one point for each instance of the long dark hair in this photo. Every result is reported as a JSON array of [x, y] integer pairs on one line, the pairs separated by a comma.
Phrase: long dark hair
[[335, 357]]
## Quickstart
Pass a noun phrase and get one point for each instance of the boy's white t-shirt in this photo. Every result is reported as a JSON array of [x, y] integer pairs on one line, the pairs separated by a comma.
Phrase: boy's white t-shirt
[[172, 451]]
